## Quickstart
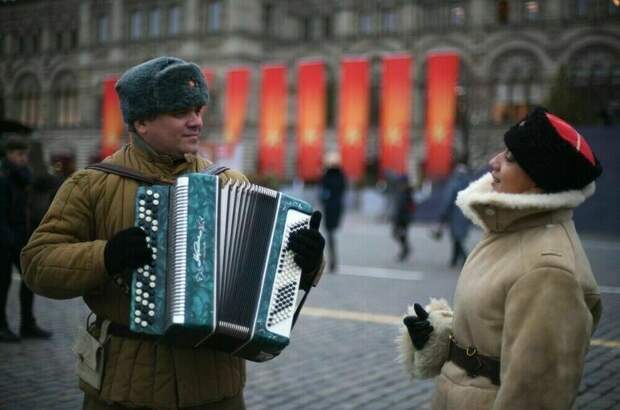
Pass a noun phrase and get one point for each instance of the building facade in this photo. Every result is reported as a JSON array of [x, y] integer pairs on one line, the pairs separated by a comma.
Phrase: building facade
[[55, 54]]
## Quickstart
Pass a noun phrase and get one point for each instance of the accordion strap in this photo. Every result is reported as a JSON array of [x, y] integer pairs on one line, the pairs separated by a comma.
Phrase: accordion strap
[[212, 169], [127, 173]]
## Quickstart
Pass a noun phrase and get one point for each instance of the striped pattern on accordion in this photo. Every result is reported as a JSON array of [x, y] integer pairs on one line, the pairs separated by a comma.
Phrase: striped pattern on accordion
[[222, 274]]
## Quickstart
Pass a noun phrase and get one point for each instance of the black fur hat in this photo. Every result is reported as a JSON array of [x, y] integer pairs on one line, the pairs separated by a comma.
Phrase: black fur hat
[[552, 152], [160, 85]]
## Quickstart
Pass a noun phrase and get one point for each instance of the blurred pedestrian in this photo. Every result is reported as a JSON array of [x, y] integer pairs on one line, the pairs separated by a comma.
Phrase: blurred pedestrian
[[451, 215], [333, 190], [15, 183], [402, 216], [526, 302], [44, 186]]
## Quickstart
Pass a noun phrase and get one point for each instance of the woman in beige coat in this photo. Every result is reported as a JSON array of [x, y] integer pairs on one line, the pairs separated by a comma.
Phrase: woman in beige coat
[[526, 302]]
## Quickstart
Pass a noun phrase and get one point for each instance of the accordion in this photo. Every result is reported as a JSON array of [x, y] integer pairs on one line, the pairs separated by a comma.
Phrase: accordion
[[222, 274]]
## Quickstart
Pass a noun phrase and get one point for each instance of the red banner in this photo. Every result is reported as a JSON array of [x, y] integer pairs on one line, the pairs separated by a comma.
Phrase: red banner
[[235, 109], [441, 80], [310, 119], [273, 117], [353, 115], [395, 113], [112, 119]]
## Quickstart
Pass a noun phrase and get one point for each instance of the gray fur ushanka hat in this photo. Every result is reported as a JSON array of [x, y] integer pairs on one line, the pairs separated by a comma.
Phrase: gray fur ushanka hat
[[160, 85]]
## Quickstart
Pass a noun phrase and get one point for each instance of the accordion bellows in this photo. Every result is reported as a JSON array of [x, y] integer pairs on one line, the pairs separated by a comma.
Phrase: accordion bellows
[[222, 274]]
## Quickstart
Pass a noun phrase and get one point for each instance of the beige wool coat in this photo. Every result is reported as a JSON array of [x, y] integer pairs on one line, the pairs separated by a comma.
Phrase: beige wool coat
[[526, 296], [65, 259]]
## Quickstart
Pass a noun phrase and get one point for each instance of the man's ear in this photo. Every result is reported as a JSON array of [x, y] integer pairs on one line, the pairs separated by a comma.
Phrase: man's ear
[[140, 126]]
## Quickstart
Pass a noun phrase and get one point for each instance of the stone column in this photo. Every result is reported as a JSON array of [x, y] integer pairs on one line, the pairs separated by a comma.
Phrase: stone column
[[479, 10], [117, 19], [84, 33], [192, 16]]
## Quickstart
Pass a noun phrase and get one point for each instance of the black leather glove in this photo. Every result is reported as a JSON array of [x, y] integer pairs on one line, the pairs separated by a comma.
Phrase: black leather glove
[[127, 250], [418, 326], [308, 245]]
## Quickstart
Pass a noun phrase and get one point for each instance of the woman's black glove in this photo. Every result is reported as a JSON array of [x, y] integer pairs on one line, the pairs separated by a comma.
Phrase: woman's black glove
[[127, 250], [308, 245], [418, 326]]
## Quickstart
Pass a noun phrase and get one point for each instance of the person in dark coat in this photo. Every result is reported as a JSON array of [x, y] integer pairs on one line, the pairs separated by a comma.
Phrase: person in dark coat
[[15, 181], [44, 186], [404, 209], [333, 188], [452, 216]]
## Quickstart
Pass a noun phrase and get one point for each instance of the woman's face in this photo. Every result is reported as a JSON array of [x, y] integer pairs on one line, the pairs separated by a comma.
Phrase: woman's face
[[508, 176]]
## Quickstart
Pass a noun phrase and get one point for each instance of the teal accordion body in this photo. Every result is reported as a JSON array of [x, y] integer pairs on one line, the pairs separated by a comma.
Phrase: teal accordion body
[[222, 274]]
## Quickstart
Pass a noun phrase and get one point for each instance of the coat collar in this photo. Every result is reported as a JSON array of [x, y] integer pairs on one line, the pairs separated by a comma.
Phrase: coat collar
[[152, 155], [494, 211]]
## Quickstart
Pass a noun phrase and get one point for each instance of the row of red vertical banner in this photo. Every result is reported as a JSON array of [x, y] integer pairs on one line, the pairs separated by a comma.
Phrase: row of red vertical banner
[[396, 107]]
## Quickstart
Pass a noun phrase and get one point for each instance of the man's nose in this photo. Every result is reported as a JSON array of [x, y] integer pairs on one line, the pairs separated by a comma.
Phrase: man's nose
[[195, 120]]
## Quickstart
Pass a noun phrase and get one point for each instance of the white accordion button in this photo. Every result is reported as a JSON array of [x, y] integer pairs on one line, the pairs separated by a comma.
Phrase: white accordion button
[[138, 291], [152, 284], [138, 285], [142, 202], [148, 212], [154, 228], [149, 192], [151, 305], [153, 277], [156, 195], [137, 320], [141, 216], [148, 219], [148, 239], [138, 312], [144, 323], [145, 302], [145, 295], [138, 299], [145, 274], [156, 202], [154, 249], [151, 313], [141, 209], [155, 222]]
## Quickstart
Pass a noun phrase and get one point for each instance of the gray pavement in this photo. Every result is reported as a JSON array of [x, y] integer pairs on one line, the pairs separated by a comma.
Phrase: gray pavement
[[342, 354]]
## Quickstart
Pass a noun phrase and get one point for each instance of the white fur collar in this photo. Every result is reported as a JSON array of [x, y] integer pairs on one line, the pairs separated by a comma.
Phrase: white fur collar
[[480, 193]]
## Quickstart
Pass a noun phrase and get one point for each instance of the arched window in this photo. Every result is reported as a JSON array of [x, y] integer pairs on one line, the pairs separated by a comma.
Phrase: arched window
[[28, 100], [516, 86], [594, 80], [65, 111]]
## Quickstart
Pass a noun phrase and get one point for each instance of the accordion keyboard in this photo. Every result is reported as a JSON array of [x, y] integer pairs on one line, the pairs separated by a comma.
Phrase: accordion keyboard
[[146, 280], [282, 305]]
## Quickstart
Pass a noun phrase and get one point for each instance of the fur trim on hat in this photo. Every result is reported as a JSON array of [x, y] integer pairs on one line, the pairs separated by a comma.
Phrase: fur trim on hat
[[480, 192], [161, 85], [427, 363]]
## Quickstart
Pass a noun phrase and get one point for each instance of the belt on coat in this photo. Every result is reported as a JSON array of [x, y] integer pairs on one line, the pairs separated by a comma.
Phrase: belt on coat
[[474, 363], [118, 330]]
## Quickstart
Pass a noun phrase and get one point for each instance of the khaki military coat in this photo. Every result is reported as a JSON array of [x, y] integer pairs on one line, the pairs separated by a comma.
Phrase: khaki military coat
[[526, 296], [65, 259]]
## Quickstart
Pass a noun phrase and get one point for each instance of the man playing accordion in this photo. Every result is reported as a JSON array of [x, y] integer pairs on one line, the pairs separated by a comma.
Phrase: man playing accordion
[[87, 246]]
